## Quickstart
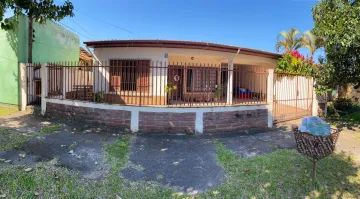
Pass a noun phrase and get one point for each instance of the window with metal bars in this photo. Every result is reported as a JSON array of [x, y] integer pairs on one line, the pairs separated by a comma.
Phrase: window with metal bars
[[129, 75], [201, 79]]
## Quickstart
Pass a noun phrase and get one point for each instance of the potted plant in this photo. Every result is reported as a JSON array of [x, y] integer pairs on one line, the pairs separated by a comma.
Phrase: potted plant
[[218, 93], [169, 89], [99, 97]]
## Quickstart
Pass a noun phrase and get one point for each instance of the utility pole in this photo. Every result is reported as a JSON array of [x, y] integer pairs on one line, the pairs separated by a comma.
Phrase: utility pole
[[30, 38]]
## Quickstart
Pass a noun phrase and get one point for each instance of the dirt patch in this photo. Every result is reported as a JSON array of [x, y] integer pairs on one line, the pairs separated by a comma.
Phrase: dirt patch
[[187, 164], [259, 143], [80, 148]]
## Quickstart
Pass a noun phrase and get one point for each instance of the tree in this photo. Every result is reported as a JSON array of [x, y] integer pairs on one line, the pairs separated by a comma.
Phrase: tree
[[37, 10], [338, 21], [290, 40], [312, 42]]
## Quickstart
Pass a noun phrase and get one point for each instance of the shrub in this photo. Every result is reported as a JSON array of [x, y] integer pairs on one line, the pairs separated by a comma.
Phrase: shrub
[[343, 104], [331, 111], [99, 97], [295, 63]]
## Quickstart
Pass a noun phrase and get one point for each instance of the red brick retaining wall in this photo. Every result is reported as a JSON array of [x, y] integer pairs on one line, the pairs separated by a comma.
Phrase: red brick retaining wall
[[163, 121], [116, 118], [167, 122], [233, 120]]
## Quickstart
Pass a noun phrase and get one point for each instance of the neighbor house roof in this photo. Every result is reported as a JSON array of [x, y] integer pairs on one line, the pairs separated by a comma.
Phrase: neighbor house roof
[[180, 44], [85, 55]]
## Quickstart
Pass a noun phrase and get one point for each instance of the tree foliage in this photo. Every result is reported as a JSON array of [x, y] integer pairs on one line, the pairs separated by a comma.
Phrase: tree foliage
[[338, 21], [39, 10], [312, 42], [289, 40]]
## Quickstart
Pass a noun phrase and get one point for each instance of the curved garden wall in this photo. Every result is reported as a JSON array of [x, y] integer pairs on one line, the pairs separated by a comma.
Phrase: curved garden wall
[[162, 119]]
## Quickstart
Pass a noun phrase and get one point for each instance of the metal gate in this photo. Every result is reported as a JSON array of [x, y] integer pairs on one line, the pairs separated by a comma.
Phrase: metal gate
[[293, 97], [33, 84]]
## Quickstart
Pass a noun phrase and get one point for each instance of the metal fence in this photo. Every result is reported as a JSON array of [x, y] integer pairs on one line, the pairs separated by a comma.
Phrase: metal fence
[[33, 84], [293, 96], [149, 83], [250, 84]]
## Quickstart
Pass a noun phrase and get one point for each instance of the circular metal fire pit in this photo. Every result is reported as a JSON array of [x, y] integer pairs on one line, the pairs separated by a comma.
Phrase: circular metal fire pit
[[315, 147]]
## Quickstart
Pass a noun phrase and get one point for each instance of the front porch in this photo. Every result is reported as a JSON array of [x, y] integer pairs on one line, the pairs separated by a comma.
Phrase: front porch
[[184, 80], [217, 81]]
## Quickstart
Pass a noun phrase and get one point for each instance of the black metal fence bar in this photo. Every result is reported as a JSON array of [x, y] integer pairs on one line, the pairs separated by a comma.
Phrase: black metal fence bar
[[33, 84], [250, 84], [149, 83]]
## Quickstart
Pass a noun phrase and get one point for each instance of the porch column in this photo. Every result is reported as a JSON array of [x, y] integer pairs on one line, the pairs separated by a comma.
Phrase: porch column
[[22, 86], [315, 102], [270, 97], [229, 93], [44, 87]]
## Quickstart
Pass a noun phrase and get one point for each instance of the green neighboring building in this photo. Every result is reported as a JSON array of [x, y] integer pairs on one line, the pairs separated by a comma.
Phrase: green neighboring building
[[52, 43]]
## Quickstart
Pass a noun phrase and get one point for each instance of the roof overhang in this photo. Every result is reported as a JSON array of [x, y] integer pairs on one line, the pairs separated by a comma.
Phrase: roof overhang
[[180, 44]]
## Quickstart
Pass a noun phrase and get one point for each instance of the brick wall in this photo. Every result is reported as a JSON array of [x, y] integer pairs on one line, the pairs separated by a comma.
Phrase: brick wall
[[162, 121], [115, 118], [233, 120], [167, 122]]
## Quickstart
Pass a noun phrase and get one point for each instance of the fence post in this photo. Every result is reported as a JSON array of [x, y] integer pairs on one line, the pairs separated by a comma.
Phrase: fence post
[[22, 86], [63, 71], [315, 102], [134, 121], [270, 97], [229, 93], [44, 87]]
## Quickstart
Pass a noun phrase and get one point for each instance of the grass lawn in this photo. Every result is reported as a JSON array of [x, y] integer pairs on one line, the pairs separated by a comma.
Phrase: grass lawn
[[9, 140], [286, 174], [350, 115], [353, 117], [7, 110], [47, 180], [282, 174]]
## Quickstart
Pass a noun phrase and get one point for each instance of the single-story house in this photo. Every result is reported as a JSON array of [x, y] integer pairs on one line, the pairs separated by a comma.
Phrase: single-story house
[[197, 72], [173, 85]]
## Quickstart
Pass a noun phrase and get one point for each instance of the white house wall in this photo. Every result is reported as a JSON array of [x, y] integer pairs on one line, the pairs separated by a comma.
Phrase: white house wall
[[74, 76], [162, 56]]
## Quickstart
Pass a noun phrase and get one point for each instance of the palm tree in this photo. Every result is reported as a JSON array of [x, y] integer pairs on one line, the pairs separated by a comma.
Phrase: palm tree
[[290, 40], [312, 42]]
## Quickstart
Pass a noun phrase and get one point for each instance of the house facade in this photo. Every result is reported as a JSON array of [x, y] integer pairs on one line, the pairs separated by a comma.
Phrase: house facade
[[173, 86], [196, 69], [353, 92]]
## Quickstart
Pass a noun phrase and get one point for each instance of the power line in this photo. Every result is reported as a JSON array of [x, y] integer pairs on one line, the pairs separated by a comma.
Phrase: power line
[[75, 30], [80, 26], [107, 22]]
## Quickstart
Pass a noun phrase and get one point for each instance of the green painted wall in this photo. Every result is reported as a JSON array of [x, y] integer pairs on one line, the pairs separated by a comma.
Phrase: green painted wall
[[8, 67], [23, 39], [53, 43]]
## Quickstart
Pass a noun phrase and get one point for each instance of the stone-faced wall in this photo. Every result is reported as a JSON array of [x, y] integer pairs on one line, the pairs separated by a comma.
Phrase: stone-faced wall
[[235, 120], [167, 122], [115, 118]]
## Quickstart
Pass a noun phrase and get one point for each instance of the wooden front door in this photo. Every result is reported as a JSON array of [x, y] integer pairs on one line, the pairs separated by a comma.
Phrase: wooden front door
[[175, 78]]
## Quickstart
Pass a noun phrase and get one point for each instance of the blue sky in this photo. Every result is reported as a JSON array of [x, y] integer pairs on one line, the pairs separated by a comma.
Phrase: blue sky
[[252, 24]]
